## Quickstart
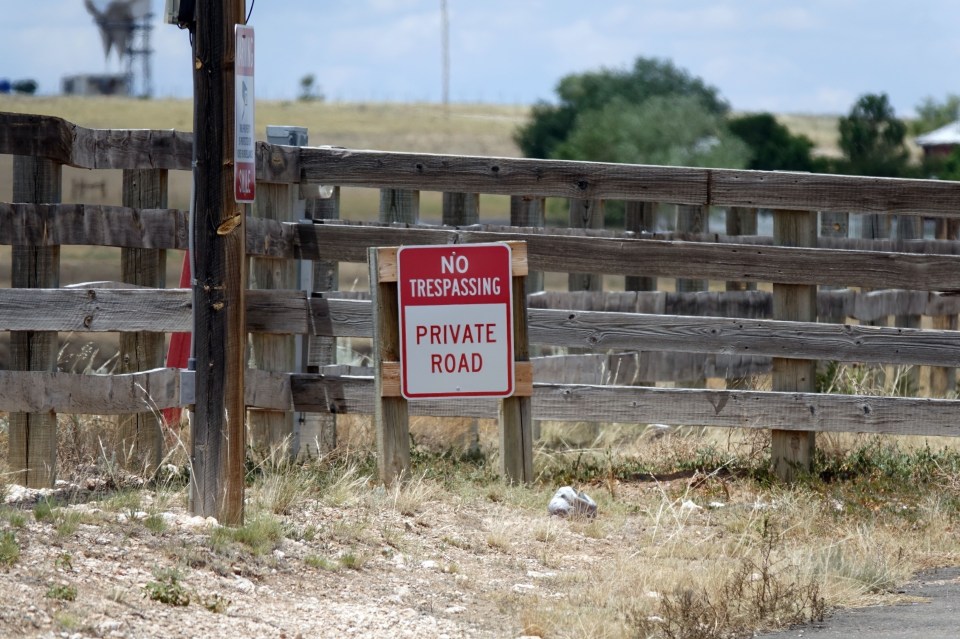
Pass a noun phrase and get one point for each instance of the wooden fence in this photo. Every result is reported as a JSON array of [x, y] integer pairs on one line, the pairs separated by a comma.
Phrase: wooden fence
[[662, 335]]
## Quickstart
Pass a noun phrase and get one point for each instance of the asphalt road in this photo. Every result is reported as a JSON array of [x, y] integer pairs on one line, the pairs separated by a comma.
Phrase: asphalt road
[[939, 618]]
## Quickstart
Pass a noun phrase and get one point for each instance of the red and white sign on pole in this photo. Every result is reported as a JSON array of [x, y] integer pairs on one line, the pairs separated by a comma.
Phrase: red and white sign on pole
[[244, 140], [456, 321]]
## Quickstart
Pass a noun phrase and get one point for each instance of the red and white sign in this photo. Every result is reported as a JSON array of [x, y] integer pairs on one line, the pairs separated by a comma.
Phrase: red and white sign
[[244, 139], [456, 321]]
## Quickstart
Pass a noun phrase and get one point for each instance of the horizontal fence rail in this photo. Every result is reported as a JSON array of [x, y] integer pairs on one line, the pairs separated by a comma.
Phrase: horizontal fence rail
[[72, 145], [353, 394], [291, 312]]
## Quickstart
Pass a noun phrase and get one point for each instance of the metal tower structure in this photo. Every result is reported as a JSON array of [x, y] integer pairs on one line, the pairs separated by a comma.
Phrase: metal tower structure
[[125, 26]]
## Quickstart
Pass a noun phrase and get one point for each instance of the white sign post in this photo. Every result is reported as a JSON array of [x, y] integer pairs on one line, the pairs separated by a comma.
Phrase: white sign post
[[456, 321], [244, 140]]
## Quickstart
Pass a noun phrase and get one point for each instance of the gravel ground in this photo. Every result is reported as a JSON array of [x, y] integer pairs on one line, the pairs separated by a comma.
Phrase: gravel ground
[[448, 570]]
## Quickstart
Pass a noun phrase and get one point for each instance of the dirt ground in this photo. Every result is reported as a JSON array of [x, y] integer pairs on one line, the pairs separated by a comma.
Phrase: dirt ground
[[449, 569]]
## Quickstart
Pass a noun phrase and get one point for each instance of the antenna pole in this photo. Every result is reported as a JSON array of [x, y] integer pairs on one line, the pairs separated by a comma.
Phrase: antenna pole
[[445, 40]]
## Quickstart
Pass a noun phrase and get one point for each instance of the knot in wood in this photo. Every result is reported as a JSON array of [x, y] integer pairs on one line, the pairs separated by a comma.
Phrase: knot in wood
[[92, 294], [87, 321]]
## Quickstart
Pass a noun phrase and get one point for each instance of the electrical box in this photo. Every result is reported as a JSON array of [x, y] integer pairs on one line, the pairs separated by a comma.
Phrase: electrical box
[[179, 12], [289, 135]]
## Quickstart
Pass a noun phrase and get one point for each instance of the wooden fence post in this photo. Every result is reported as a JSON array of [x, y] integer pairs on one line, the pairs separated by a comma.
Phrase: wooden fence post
[[530, 211], [271, 431], [692, 219], [33, 436], [586, 214], [833, 224], [141, 437], [220, 334], [526, 210], [910, 227], [792, 451], [399, 205], [943, 381], [461, 209], [390, 416], [318, 432], [516, 413], [640, 217], [741, 220]]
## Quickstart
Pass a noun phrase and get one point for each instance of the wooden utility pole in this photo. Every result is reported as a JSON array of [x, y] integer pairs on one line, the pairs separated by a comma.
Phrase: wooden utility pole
[[219, 329]]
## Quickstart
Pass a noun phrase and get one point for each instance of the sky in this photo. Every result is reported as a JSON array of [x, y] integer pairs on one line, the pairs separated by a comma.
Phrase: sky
[[783, 56]]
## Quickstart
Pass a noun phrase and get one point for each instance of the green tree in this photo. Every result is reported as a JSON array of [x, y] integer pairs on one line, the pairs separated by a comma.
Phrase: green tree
[[675, 130], [309, 89], [772, 146], [872, 139], [551, 124], [932, 114]]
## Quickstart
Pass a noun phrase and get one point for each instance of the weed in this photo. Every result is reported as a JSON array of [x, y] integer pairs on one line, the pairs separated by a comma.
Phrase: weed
[[215, 603], [321, 563], [16, 519], [67, 522], [354, 560], [9, 548], [758, 593], [43, 510], [67, 620], [63, 561], [126, 502], [498, 540], [62, 592], [458, 542], [546, 534], [155, 523], [166, 588], [260, 535]]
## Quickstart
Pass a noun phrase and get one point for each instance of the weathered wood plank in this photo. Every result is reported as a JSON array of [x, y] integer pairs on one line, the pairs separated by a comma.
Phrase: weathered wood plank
[[772, 338], [515, 413], [640, 218], [644, 367], [117, 394], [141, 440], [32, 448], [95, 310], [390, 414], [272, 431], [792, 450], [818, 192], [289, 311], [508, 176], [93, 225], [784, 265], [714, 187], [66, 143], [56, 139], [47, 392], [645, 405], [753, 304], [586, 214]]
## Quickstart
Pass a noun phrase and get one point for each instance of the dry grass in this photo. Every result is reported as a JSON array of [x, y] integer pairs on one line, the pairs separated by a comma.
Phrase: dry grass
[[693, 539]]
